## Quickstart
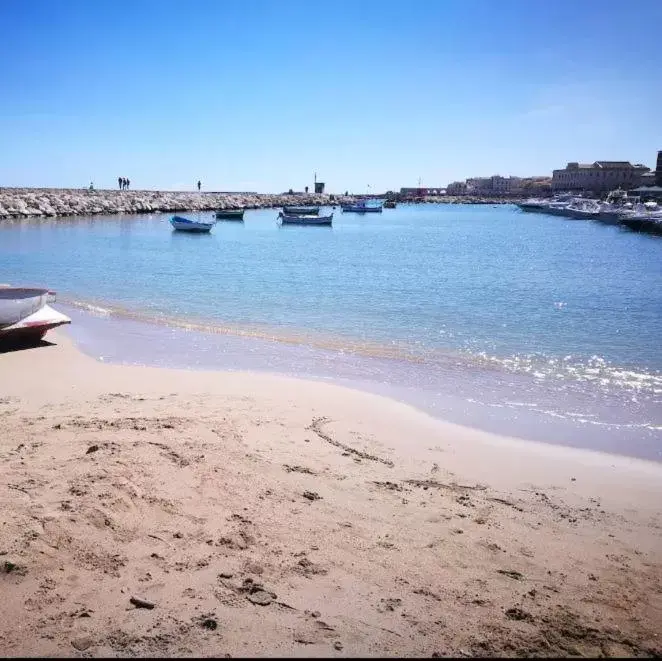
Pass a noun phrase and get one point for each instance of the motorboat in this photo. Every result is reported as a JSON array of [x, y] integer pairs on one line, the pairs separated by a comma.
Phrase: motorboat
[[532, 205], [301, 211], [25, 313], [287, 219], [229, 214], [584, 210], [556, 208], [182, 224]]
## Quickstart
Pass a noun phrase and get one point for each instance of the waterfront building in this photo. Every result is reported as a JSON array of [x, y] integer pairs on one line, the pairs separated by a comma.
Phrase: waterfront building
[[494, 185], [599, 176], [456, 188]]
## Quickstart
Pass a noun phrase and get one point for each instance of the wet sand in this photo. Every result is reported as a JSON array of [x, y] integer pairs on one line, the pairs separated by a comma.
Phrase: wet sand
[[149, 511]]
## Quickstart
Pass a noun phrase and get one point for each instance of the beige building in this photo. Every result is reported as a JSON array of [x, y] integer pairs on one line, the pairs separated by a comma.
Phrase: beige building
[[600, 176], [494, 185]]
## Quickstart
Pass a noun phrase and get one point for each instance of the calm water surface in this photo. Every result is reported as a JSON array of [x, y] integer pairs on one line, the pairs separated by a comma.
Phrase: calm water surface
[[527, 324]]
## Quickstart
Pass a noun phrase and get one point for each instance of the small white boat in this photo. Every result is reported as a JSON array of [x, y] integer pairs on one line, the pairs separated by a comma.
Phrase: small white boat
[[185, 225], [532, 205], [16, 303], [286, 219], [25, 314]]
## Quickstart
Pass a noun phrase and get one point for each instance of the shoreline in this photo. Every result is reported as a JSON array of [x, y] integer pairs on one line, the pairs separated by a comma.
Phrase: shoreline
[[266, 515], [589, 456], [453, 388], [53, 202]]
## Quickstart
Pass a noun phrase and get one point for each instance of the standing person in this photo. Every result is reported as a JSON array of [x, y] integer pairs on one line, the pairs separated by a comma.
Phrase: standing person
[[199, 184], [119, 182]]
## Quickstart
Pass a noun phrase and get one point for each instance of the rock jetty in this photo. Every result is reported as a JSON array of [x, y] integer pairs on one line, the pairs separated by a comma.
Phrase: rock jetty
[[25, 202]]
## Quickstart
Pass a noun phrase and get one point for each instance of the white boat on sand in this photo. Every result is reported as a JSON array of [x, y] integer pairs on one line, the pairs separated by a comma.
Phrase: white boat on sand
[[25, 314]]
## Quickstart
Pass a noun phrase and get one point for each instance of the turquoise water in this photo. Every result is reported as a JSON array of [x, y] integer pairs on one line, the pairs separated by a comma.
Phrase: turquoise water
[[569, 312]]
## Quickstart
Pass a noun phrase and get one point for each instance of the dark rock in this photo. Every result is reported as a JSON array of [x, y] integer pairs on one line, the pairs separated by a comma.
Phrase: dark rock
[[209, 623]]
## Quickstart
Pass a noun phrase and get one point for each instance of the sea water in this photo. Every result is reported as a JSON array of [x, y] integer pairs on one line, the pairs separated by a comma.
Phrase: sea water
[[520, 323]]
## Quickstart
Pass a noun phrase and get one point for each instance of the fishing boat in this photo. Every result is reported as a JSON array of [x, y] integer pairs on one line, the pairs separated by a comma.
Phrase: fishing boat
[[185, 225], [287, 219], [25, 314], [301, 211], [230, 214], [362, 207]]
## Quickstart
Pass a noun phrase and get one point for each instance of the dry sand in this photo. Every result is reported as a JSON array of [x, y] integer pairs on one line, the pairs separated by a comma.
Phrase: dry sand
[[268, 516]]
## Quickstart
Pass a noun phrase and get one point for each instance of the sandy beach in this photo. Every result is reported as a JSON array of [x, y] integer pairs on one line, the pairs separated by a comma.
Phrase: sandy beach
[[159, 512]]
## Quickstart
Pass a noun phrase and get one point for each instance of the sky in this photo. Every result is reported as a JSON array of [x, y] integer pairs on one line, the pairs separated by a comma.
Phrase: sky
[[251, 95]]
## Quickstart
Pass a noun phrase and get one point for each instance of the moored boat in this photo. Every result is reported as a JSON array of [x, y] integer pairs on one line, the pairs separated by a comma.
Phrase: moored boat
[[229, 214], [185, 225], [287, 219], [25, 315], [583, 210], [362, 207], [301, 211], [532, 205]]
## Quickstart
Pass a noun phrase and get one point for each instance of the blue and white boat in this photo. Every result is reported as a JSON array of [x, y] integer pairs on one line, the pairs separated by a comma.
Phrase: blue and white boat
[[362, 207], [301, 211], [185, 225], [287, 219]]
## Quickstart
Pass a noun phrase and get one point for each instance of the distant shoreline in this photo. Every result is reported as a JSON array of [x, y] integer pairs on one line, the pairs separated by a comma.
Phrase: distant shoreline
[[55, 202]]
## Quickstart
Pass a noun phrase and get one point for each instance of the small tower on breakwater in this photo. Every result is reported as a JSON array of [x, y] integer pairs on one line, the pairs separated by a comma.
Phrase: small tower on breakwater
[[319, 186]]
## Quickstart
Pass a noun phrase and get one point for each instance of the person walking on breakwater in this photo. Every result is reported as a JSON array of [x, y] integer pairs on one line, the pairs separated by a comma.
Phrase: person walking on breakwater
[[199, 184]]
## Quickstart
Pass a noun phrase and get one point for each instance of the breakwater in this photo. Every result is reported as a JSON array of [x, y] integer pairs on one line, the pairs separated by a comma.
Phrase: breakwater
[[25, 202]]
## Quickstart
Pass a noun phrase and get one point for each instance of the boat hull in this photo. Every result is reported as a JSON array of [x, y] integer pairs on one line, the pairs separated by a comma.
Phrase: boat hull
[[306, 220], [33, 327], [181, 224], [360, 209], [301, 211], [17, 303], [230, 214]]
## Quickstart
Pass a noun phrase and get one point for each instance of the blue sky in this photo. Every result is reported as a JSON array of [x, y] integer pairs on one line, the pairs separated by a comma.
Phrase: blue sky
[[256, 95]]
